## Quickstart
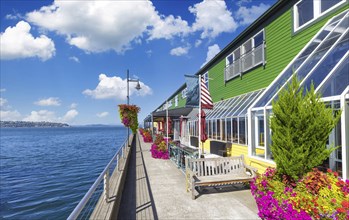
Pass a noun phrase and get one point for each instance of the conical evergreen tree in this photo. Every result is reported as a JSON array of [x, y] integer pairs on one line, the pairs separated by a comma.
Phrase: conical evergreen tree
[[301, 125]]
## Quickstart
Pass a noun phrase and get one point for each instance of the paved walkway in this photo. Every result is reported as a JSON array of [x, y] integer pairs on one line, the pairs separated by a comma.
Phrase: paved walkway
[[155, 189]]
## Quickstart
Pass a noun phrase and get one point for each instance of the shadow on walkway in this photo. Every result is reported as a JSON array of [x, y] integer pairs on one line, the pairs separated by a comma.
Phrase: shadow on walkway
[[137, 200]]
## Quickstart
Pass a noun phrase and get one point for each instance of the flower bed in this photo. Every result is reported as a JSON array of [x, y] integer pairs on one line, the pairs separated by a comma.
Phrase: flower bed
[[159, 148], [317, 195]]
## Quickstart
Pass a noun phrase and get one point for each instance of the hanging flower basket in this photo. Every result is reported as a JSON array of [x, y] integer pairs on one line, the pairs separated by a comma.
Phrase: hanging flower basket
[[129, 116]]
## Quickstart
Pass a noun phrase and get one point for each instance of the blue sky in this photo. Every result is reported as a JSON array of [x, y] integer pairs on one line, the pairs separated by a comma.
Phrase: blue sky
[[66, 61]]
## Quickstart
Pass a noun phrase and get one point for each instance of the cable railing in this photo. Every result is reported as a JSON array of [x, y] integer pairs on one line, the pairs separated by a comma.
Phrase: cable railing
[[101, 186]]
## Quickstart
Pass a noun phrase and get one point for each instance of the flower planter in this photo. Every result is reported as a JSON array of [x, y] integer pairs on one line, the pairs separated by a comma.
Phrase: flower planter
[[316, 196]]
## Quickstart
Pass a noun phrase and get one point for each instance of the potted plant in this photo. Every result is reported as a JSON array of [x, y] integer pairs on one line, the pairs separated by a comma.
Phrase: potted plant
[[129, 116], [300, 126]]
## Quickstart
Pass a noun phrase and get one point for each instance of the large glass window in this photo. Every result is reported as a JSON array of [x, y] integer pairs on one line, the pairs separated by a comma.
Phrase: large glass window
[[235, 130], [228, 123], [242, 130], [305, 11]]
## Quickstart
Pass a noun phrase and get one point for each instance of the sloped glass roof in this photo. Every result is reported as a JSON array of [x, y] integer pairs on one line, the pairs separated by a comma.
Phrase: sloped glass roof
[[338, 81], [310, 57], [232, 107]]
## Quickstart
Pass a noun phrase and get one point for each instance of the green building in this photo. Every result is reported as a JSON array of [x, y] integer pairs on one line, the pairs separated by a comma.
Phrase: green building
[[310, 37]]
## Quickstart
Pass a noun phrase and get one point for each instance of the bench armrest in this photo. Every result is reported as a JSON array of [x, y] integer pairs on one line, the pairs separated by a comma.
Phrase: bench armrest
[[252, 170]]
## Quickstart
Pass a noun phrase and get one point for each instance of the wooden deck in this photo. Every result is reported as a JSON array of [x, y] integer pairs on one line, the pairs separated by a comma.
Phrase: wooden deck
[[137, 201], [155, 189]]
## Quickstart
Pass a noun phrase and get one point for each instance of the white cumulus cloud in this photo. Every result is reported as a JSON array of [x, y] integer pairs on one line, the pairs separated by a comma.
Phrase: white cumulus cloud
[[3, 90], [102, 114], [115, 88], [10, 115], [246, 15], [211, 52], [3, 102], [212, 18], [167, 27], [70, 115], [17, 42], [50, 116], [97, 26], [179, 51], [73, 105], [42, 115], [75, 59], [52, 101]]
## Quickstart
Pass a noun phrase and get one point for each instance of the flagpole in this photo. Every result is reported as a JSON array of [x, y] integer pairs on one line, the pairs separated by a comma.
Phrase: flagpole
[[199, 141]]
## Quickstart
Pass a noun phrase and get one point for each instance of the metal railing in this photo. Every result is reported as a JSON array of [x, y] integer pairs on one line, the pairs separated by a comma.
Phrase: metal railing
[[87, 204], [245, 63]]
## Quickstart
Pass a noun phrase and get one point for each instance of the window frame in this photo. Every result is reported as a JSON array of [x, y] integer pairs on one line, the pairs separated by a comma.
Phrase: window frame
[[184, 93], [176, 100], [243, 54], [316, 10]]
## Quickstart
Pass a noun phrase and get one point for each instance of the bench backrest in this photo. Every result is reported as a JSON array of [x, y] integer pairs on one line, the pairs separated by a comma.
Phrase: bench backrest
[[216, 166]]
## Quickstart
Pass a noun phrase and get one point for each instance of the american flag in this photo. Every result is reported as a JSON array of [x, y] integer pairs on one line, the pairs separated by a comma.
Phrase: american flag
[[206, 100]]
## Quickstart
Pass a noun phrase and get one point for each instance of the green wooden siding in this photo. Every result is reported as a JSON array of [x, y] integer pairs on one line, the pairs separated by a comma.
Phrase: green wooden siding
[[281, 47], [181, 101]]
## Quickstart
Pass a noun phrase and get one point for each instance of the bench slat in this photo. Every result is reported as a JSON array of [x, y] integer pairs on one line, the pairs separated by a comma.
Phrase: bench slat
[[218, 171]]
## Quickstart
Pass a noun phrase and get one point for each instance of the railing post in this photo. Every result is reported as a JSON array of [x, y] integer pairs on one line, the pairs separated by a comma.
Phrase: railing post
[[117, 162], [106, 186]]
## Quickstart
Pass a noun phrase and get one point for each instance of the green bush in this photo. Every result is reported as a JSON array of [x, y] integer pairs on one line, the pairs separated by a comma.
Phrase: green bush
[[300, 126]]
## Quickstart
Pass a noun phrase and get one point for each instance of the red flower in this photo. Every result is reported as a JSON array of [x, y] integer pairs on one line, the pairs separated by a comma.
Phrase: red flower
[[341, 210], [345, 204], [329, 170], [335, 174]]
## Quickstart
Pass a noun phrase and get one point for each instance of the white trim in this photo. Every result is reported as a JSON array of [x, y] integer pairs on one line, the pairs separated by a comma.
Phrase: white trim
[[332, 71], [316, 11], [263, 160], [324, 56], [243, 54], [294, 59], [345, 134]]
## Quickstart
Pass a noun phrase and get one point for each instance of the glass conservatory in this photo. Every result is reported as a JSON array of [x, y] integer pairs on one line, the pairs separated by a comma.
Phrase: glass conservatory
[[324, 62]]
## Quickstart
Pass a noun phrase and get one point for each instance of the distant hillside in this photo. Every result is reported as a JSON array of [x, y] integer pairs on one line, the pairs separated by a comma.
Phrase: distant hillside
[[30, 124]]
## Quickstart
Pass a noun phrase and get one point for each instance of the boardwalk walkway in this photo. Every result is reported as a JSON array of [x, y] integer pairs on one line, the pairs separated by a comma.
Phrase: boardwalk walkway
[[155, 189]]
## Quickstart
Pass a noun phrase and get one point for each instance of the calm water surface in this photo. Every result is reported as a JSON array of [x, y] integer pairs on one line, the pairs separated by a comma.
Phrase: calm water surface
[[44, 172]]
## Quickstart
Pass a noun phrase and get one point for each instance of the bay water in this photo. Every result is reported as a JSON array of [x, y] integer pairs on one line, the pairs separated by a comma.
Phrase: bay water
[[45, 172]]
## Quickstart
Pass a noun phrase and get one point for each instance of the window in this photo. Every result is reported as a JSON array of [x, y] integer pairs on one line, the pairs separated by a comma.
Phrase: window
[[306, 11], [176, 100], [184, 93], [169, 103], [245, 57]]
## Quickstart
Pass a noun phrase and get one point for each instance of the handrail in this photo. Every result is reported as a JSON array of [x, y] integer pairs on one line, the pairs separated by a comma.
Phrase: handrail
[[93, 188]]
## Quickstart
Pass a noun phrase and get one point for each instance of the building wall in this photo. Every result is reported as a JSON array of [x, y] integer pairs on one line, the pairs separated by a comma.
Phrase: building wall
[[181, 101], [282, 45], [237, 150]]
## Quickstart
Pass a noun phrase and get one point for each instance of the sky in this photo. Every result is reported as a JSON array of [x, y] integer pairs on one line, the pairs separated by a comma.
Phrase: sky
[[66, 61]]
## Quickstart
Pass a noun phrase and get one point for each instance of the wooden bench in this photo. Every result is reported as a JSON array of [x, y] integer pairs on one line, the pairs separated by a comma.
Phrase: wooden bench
[[217, 172]]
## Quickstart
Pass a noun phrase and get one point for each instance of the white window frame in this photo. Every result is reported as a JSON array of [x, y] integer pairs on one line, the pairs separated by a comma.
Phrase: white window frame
[[184, 93], [243, 55], [316, 10], [176, 100]]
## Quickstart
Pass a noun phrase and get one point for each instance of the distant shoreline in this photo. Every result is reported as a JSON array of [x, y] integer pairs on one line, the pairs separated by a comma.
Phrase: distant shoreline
[[30, 124]]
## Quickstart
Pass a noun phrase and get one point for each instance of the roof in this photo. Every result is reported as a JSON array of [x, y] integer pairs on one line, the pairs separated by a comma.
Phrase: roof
[[173, 112], [256, 25]]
